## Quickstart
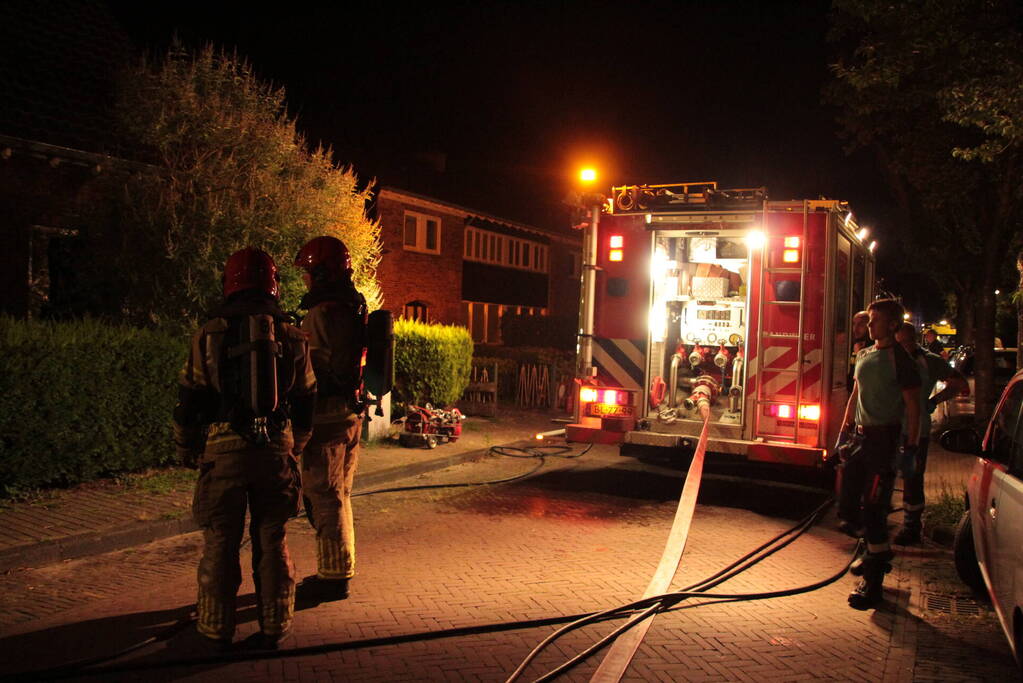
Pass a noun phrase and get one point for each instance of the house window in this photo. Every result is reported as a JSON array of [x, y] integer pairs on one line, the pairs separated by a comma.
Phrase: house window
[[484, 320], [503, 250], [422, 233], [417, 310]]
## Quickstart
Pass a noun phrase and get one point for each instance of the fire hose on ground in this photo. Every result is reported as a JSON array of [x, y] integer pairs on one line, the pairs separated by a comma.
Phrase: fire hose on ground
[[656, 600]]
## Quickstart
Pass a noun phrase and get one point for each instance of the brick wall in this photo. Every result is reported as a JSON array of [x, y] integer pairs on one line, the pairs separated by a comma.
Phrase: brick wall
[[564, 284], [406, 276]]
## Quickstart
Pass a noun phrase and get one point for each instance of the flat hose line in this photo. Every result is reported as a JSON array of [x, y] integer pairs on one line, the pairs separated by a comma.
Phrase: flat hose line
[[663, 603], [618, 658]]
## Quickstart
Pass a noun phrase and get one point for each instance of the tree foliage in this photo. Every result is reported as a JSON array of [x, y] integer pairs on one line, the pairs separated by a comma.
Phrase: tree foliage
[[229, 169], [932, 88]]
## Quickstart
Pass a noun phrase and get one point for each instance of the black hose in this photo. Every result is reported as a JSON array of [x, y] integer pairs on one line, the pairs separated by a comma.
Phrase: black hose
[[653, 604], [534, 452], [659, 603], [540, 453], [670, 599]]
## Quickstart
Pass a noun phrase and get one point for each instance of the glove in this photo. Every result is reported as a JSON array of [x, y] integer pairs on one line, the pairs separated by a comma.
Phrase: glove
[[906, 462], [847, 445]]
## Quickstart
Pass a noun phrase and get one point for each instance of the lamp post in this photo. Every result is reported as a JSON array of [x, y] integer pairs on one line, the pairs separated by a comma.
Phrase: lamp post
[[592, 202]]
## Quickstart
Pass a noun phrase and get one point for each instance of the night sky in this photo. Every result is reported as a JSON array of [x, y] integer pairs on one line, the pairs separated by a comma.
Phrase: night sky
[[510, 98]]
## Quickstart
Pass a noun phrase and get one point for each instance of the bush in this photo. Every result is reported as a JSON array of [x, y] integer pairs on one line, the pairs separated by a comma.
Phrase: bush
[[83, 399], [431, 362], [558, 332]]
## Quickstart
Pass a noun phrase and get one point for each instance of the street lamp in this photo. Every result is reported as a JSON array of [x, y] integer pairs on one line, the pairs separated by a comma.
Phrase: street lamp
[[593, 202]]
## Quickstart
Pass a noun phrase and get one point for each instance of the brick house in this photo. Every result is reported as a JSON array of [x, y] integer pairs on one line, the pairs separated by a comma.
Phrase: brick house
[[451, 264], [57, 138]]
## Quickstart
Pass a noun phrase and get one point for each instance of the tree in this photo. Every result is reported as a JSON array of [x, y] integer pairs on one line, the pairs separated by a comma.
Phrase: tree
[[229, 169], [932, 88]]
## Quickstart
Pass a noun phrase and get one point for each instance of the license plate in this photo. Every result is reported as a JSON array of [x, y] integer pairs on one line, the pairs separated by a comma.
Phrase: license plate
[[610, 410]]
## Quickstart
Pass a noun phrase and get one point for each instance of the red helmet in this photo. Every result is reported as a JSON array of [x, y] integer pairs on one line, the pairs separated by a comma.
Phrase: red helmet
[[251, 268], [325, 257]]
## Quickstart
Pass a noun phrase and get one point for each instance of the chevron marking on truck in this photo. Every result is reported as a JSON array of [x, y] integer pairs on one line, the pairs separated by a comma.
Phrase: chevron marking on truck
[[619, 362]]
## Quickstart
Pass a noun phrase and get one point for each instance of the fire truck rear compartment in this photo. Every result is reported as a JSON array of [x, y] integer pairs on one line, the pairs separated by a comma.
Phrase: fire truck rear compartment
[[698, 331]]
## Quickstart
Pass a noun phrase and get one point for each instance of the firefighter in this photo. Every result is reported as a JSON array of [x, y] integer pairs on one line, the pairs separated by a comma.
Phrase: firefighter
[[933, 369], [246, 397], [860, 341], [885, 391], [336, 327]]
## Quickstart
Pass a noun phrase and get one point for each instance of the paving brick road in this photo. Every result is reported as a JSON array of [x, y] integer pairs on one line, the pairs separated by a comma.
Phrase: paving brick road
[[580, 535]]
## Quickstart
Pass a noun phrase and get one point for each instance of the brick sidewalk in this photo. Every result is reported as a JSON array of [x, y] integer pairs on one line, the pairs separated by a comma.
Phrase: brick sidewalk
[[581, 535], [102, 516]]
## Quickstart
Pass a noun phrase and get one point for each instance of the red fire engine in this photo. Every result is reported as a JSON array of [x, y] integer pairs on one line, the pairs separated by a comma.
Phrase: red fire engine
[[694, 294]]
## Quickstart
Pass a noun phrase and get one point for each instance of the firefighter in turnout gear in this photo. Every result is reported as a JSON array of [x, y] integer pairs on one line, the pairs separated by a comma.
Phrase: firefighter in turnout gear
[[885, 392], [933, 369], [336, 327], [246, 398]]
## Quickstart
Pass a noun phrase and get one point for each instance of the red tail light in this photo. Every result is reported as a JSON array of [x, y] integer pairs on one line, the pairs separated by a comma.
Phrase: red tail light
[[810, 412], [617, 245]]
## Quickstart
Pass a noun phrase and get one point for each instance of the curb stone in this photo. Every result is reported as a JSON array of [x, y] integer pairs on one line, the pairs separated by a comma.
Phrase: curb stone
[[77, 546]]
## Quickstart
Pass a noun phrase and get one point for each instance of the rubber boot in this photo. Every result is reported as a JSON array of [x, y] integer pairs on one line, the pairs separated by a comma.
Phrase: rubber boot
[[885, 558], [909, 532], [869, 592]]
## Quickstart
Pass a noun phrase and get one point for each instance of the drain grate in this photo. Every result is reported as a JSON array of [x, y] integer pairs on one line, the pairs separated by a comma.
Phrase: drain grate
[[950, 604]]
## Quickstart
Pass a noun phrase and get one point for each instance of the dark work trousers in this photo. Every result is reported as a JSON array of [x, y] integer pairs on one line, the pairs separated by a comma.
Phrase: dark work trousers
[[867, 481], [913, 489]]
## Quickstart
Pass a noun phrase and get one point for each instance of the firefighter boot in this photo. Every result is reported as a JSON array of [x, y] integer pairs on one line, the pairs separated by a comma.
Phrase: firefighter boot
[[909, 533], [869, 592]]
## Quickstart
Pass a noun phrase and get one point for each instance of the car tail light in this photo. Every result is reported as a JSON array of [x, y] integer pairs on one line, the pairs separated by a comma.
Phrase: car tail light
[[587, 395]]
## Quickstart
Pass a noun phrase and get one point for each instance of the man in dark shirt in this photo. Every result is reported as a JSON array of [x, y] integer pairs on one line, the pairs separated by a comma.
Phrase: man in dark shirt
[[932, 344], [885, 392], [933, 369]]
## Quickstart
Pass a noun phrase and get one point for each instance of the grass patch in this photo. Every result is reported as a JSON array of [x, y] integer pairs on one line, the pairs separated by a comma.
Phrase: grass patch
[[947, 507], [171, 480]]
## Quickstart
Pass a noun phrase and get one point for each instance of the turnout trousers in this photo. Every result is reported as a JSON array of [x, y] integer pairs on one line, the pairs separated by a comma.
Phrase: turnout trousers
[[265, 481], [867, 482], [913, 489], [328, 473]]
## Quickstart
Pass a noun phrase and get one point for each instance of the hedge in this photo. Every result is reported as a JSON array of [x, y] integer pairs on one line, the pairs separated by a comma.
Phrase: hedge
[[83, 399], [431, 362]]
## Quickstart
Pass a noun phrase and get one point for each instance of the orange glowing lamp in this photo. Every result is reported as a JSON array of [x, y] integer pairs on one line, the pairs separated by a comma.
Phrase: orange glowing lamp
[[810, 412]]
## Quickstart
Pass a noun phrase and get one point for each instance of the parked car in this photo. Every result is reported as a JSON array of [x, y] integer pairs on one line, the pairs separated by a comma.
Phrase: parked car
[[988, 545], [959, 410]]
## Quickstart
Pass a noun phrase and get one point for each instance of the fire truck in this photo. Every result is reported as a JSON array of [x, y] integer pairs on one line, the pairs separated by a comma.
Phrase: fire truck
[[695, 294]]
